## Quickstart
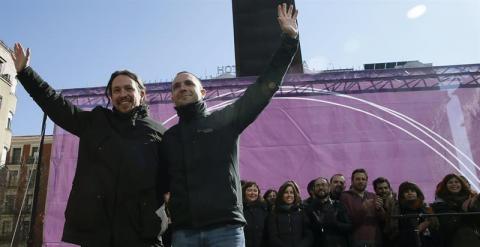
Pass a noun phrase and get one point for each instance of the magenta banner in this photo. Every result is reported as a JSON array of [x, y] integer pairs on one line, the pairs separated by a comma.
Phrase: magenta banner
[[419, 135]]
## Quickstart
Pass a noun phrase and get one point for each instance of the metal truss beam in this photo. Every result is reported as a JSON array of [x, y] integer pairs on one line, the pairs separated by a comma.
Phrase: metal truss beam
[[349, 82]]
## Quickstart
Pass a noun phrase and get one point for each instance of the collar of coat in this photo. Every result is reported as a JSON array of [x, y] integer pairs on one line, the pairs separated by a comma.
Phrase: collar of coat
[[138, 112], [287, 208], [192, 111], [319, 202]]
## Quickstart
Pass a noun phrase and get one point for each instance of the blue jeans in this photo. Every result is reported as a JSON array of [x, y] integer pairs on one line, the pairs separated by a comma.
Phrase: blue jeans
[[225, 236]]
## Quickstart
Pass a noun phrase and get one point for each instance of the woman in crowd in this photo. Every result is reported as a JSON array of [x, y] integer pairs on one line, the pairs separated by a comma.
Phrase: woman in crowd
[[412, 231], [287, 224], [255, 212], [270, 196], [454, 196]]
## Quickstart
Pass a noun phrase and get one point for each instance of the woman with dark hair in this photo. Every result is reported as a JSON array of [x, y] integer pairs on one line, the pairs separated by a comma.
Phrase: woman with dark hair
[[269, 197], [412, 231], [255, 212], [454, 196], [287, 224]]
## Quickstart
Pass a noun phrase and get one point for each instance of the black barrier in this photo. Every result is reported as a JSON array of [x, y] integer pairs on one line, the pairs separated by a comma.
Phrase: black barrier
[[433, 215]]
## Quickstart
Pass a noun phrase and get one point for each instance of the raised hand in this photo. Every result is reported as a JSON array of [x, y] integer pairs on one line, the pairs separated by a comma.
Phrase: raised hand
[[20, 59], [287, 18]]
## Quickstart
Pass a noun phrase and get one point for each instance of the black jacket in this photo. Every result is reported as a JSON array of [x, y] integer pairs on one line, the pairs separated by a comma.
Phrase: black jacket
[[289, 227], [202, 151], [403, 231], [330, 223], [457, 230], [118, 180], [256, 215]]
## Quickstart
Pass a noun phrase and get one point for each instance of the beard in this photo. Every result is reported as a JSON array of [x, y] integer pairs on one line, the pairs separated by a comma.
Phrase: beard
[[321, 196], [360, 187], [122, 100]]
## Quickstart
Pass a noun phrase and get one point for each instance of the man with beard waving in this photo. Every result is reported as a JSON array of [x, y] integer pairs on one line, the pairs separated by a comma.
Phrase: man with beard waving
[[119, 181]]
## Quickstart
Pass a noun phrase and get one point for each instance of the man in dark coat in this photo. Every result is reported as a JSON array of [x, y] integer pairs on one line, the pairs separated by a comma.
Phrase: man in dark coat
[[201, 150], [331, 225], [118, 182]]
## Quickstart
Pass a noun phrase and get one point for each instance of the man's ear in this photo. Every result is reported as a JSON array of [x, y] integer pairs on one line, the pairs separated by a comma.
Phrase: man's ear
[[143, 96], [203, 92]]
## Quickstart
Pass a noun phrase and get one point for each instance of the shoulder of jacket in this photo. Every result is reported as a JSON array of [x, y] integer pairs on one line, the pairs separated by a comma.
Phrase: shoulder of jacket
[[100, 112], [171, 130], [370, 194], [155, 125]]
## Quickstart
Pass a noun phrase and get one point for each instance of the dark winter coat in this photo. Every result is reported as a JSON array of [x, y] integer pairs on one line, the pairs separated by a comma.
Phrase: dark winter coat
[[202, 151], [403, 231], [330, 223], [118, 181], [255, 214], [289, 227], [457, 231]]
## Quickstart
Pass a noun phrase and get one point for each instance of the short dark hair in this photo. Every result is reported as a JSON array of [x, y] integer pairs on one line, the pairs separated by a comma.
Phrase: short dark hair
[[359, 170], [248, 184], [336, 175], [310, 186], [125, 72], [188, 72], [380, 180], [326, 180], [404, 187], [268, 192]]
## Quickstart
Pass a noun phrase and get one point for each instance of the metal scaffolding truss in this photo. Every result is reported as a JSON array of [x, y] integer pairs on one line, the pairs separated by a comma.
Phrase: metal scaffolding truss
[[348, 82]]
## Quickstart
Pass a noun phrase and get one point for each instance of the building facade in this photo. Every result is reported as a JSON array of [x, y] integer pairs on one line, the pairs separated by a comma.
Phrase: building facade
[[17, 186], [8, 100]]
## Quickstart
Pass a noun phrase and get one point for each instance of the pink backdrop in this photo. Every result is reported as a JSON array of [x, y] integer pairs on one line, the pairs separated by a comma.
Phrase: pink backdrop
[[301, 138]]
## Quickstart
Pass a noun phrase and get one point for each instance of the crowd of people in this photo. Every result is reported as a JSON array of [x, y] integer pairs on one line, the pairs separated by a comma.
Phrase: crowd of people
[[334, 216]]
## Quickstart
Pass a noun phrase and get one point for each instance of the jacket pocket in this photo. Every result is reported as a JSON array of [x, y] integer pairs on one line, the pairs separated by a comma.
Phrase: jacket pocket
[[143, 216], [86, 212]]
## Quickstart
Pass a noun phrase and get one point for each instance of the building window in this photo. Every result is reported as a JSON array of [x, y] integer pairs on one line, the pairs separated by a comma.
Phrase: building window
[[32, 173], [33, 155], [2, 64], [34, 150], [29, 202], [25, 227], [9, 121], [9, 202], [12, 178], [16, 155], [6, 227], [5, 77]]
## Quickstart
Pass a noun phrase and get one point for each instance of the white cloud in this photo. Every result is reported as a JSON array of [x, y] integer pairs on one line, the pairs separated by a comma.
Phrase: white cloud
[[416, 11]]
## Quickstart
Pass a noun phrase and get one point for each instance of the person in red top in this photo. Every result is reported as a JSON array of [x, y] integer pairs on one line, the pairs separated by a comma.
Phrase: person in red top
[[365, 211]]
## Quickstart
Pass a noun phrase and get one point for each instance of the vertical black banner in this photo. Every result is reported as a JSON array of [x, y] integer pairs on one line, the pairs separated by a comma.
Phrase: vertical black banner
[[257, 36]]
